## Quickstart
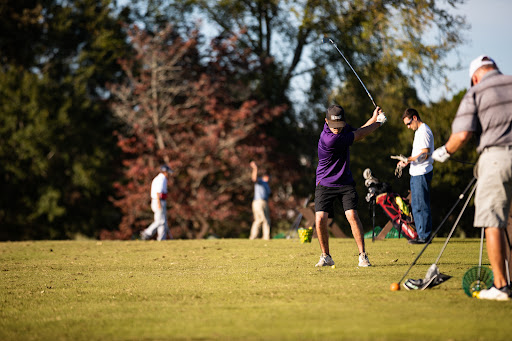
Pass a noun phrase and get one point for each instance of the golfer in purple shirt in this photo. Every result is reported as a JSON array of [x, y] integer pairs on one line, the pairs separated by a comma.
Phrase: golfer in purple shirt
[[334, 179]]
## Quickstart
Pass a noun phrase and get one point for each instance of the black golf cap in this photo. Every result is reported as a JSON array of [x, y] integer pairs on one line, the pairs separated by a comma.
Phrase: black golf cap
[[335, 117]]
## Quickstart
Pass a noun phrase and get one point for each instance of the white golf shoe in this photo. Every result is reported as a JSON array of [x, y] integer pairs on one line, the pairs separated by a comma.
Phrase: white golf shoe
[[363, 260], [492, 294], [325, 261]]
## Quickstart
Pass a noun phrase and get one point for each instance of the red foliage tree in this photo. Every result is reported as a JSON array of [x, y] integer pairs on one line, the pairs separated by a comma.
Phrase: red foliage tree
[[200, 118]]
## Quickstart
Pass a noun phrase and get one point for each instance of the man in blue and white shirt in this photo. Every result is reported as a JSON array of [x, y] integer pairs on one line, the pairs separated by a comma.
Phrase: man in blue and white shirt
[[260, 208]]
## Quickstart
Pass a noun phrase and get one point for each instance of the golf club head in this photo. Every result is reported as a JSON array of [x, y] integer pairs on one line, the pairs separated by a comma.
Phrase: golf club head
[[326, 40], [432, 272], [413, 284]]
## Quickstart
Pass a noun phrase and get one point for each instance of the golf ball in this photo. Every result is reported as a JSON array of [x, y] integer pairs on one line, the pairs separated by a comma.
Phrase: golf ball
[[394, 287], [334, 266]]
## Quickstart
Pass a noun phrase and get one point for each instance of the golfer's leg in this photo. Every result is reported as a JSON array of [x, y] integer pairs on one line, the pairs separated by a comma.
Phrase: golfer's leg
[[321, 231], [255, 228], [266, 221], [419, 206], [495, 240], [162, 226], [149, 232], [357, 228]]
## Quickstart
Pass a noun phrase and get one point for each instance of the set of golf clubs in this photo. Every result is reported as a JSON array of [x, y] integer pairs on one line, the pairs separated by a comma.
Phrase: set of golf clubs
[[476, 278]]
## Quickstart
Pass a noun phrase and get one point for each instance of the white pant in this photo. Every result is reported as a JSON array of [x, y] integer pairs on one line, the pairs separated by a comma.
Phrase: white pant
[[159, 224], [261, 217]]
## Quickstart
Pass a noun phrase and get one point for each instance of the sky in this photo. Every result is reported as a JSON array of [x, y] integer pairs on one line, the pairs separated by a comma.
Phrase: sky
[[490, 34]]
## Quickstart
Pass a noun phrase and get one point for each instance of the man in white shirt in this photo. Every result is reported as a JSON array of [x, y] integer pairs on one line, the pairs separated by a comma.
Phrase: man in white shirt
[[421, 171], [158, 206]]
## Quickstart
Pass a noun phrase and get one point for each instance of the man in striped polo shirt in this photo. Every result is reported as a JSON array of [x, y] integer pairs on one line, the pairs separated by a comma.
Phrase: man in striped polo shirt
[[486, 111]]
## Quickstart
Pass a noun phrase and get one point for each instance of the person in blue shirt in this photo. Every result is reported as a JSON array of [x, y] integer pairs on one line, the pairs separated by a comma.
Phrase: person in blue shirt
[[260, 208], [334, 179]]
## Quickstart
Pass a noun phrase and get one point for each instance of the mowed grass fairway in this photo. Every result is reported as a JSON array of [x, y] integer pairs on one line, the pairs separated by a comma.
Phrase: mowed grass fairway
[[236, 289]]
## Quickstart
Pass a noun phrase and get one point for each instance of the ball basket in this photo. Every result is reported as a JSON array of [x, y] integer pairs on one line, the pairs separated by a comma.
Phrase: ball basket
[[477, 278], [305, 235]]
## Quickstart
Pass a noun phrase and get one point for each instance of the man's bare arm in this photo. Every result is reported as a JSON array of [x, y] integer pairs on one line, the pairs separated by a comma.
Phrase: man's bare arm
[[254, 173], [457, 140]]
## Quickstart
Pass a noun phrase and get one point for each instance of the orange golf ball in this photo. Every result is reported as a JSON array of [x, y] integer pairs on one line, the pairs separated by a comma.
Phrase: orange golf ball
[[394, 287]]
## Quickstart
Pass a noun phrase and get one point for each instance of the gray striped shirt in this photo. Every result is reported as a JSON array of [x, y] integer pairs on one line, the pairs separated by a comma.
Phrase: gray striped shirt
[[486, 110]]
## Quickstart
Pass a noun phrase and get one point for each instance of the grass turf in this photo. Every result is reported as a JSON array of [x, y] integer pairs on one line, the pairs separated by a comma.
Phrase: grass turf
[[237, 289]]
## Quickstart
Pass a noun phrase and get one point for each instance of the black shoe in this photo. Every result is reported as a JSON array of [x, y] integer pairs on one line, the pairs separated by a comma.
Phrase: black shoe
[[418, 241], [507, 289]]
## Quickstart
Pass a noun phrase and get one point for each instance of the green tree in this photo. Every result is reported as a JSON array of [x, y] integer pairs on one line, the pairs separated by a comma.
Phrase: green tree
[[21, 30], [58, 154]]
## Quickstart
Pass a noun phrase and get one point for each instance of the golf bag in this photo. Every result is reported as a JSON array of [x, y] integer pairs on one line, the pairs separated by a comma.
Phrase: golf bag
[[395, 207]]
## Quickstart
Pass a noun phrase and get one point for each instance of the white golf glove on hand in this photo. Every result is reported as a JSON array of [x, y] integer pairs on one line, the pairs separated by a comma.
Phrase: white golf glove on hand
[[381, 118], [440, 154], [400, 158]]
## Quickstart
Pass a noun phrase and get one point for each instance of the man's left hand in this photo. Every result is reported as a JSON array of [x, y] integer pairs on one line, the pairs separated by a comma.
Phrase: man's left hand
[[440, 154]]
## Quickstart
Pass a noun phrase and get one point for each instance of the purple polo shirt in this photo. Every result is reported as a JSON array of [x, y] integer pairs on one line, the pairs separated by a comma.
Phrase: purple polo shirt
[[334, 158]]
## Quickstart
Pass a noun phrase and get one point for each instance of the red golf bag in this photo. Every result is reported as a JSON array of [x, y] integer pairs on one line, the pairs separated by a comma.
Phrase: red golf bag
[[402, 221]]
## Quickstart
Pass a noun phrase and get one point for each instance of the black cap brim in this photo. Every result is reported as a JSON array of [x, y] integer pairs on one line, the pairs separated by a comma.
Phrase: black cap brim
[[336, 124]]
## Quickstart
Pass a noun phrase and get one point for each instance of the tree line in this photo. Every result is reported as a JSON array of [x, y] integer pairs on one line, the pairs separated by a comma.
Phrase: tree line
[[96, 94]]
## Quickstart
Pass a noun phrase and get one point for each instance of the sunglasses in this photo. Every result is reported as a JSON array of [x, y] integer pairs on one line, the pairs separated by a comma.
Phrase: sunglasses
[[409, 123]]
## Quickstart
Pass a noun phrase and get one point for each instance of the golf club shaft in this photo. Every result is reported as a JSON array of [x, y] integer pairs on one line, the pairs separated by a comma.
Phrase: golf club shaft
[[480, 258], [455, 225], [373, 221], [297, 221], [463, 162], [438, 228], [354, 71], [508, 256]]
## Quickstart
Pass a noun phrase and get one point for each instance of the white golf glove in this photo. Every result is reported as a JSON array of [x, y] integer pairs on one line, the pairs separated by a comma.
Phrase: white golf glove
[[440, 154], [381, 118], [400, 158]]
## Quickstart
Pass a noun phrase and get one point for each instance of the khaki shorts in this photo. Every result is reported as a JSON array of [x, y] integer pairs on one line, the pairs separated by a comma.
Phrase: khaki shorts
[[494, 187]]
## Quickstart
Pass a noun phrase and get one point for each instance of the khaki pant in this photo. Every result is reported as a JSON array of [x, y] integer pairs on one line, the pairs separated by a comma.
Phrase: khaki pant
[[261, 218], [494, 187]]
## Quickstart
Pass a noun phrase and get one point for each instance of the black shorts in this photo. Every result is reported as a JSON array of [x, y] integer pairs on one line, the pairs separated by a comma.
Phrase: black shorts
[[325, 197]]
